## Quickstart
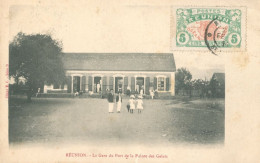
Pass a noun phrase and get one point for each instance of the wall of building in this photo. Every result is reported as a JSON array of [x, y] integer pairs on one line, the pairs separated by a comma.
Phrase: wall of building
[[129, 81]]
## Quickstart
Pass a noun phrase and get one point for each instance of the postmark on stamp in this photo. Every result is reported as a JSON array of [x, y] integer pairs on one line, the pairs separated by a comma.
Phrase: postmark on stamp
[[209, 28]]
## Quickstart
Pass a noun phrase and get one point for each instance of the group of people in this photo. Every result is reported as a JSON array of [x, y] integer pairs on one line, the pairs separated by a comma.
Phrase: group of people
[[134, 103]]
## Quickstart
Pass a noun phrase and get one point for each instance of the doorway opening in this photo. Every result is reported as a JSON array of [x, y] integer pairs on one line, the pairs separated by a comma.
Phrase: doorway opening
[[97, 84], [119, 84], [139, 87]]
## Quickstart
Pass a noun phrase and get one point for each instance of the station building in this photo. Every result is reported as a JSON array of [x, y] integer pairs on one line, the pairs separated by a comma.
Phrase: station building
[[99, 72]]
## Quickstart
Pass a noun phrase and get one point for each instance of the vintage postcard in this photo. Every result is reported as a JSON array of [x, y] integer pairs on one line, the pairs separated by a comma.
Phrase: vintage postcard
[[138, 81]]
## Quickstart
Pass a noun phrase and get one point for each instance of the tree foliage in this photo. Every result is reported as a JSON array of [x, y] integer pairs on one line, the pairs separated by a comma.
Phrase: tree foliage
[[204, 88], [37, 58], [182, 79]]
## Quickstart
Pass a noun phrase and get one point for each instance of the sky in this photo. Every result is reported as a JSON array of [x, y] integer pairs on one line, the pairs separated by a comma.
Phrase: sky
[[117, 29]]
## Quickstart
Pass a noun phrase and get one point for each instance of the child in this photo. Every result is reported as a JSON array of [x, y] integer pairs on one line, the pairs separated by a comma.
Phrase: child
[[140, 104], [132, 103], [128, 106]]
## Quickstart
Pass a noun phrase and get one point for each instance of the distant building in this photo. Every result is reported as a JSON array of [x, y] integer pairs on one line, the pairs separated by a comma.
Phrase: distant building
[[98, 72]]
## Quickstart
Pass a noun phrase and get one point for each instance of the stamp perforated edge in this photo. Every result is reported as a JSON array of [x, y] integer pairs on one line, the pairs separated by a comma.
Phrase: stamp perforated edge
[[173, 20]]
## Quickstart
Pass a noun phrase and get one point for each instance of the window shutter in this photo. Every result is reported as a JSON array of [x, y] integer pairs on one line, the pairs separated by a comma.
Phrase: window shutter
[[68, 80], [167, 84], [147, 85], [155, 83], [104, 84], [111, 82], [90, 83], [125, 84], [132, 84], [83, 83]]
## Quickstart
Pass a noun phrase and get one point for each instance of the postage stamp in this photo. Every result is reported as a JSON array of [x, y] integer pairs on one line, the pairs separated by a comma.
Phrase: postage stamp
[[209, 28]]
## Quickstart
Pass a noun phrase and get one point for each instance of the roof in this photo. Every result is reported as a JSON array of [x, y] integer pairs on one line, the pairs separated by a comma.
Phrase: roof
[[220, 77], [119, 61]]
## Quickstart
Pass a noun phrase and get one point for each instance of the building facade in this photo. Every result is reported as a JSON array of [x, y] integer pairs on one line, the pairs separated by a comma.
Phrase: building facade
[[120, 72]]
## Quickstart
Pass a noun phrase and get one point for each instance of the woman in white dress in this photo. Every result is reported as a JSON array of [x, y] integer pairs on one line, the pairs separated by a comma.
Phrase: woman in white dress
[[119, 102], [152, 93], [98, 87]]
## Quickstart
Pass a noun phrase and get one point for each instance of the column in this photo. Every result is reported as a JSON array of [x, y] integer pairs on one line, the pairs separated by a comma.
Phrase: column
[[135, 83], [123, 85], [80, 83], [165, 83], [144, 86], [72, 83], [86, 84], [172, 85], [93, 84], [114, 84], [45, 88]]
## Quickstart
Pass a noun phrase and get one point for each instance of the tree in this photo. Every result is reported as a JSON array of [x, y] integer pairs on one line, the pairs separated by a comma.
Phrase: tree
[[183, 79], [37, 58], [201, 85], [217, 89]]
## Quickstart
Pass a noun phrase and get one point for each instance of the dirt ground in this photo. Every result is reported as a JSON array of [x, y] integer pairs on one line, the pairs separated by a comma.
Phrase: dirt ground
[[68, 120]]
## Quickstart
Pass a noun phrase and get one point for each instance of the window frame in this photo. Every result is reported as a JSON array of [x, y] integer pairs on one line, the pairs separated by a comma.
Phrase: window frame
[[164, 83]]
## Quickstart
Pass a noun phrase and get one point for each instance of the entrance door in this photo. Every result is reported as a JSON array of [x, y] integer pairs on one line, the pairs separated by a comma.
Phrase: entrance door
[[139, 85], [119, 84], [97, 84]]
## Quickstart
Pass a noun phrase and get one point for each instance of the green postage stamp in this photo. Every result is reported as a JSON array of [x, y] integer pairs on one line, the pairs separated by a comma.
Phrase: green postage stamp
[[209, 28]]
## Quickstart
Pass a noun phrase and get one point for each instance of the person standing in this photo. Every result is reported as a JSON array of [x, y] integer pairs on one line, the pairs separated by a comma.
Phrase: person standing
[[142, 90], [139, 102], [152, 93], [98, 87], [119, 102], [128, 90], [110, 99], [132, 104], [128, 106]]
